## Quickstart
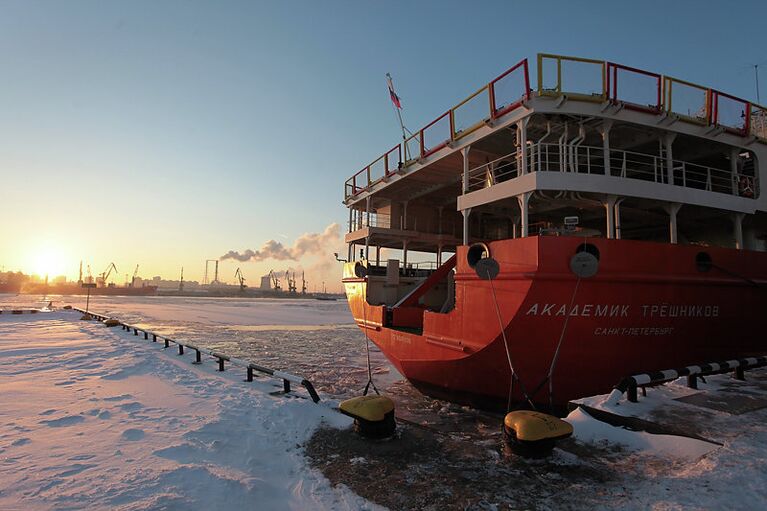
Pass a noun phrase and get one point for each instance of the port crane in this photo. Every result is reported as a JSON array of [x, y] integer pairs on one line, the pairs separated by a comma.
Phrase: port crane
[[181, 282], [133, 280], [238, 275], [303, 283], [291, 281], [106, 273], [275, 280]]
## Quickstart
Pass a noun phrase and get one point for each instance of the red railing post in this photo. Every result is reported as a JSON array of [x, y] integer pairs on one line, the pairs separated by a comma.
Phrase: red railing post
[[494, 114], [491, 94], [660, 94], [527, 80]]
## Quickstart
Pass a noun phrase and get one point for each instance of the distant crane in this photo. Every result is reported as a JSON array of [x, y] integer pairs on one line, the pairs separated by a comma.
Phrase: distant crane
[[240, 277], [291, 281], [303, 284], [89, 276], [102, 280], [80, 278], [181, 282], [275, 280], [133, 280]]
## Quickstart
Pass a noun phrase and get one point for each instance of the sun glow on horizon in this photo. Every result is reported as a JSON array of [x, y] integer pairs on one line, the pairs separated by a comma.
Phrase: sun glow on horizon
[[48, 260]]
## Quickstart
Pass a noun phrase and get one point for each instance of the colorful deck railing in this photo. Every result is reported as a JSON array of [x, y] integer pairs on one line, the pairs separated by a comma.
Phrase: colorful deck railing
[[579, 79]]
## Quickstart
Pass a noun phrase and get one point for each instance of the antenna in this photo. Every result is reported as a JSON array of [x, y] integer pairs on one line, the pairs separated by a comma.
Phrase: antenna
[[756, 77]]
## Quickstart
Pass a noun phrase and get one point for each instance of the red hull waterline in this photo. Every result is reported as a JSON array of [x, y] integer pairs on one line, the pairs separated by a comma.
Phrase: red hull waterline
[[649, 307]]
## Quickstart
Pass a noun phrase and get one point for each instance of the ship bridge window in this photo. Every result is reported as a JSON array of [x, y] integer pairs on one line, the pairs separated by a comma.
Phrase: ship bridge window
[[477, 252]]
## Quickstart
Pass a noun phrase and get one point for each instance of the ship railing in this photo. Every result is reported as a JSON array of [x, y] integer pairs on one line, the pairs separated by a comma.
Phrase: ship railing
[[380, 220], [582, 159], [579, 78], [375, 220], [499, 97], [635, 165], [574, 78], [423, 265], [635, 89], [414, 269], [493, 172]]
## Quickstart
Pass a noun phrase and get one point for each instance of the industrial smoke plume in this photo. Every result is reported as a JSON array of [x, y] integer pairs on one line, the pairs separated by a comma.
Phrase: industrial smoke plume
[[306, 244]]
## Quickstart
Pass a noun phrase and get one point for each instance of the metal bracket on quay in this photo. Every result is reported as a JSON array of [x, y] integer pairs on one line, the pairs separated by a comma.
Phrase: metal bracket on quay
[[250, 367]]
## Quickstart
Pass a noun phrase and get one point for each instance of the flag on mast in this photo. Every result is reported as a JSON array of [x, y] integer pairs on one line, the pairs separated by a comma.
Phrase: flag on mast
[[392, 94]]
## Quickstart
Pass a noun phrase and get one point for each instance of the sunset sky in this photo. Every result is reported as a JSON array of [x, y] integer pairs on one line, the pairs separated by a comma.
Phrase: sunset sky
[[167, 133]]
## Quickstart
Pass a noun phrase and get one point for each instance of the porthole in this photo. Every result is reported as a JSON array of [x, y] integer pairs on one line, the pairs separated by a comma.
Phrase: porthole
[[477, 252]]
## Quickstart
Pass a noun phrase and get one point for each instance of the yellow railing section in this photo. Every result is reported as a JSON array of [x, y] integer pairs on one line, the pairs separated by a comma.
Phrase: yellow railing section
[[597, 73], [412, 148], [700, 112], [468, 104]]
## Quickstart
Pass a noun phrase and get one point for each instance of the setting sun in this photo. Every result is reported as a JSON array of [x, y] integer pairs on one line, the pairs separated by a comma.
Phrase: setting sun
[[48, 260]]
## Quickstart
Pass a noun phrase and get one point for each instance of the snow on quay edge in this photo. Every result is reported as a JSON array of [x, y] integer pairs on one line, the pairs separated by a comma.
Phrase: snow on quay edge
[[93, 418], [100, 419]]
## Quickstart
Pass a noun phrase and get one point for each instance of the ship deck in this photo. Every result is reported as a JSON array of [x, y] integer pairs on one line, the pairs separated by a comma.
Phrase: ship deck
[[624, 150]]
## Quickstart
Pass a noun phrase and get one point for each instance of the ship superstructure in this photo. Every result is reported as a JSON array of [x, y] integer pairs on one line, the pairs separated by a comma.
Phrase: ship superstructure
[[657, 178]]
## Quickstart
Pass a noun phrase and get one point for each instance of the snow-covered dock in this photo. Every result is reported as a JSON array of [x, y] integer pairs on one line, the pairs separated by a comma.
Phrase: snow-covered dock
[[99, 418], [93, 418]]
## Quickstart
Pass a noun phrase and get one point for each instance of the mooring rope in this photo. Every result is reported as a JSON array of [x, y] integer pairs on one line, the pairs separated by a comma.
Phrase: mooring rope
[[508, 352], [737, 275], [367, 346], [550, 376]]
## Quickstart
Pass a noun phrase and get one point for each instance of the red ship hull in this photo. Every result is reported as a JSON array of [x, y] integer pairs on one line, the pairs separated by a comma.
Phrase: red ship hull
[[649, 307]]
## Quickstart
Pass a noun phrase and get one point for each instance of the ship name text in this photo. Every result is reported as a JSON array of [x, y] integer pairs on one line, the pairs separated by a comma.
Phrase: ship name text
[[663, 310]]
